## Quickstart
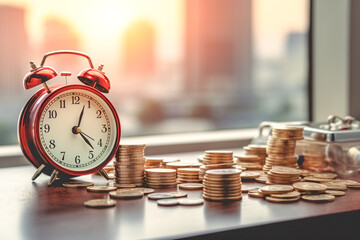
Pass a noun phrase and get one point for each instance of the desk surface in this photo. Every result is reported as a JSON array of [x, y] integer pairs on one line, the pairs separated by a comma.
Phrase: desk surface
[[31, 210]]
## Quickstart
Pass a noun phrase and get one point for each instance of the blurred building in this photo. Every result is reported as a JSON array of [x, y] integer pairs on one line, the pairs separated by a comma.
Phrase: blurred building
[[218, 46], [139, 49], [13, 49]]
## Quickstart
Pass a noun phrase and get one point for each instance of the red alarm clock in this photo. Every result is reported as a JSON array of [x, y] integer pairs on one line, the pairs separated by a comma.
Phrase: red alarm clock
[[68, 130]]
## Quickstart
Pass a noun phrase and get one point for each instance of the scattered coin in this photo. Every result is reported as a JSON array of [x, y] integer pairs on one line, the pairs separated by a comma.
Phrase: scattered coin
[[318, 197], [191, 186], [157, 196], [101, 189], [77, 184], [354, 186], [146, 190], [249, 175], [100, 203], [282, 200], [293, 194], [168, 202], [344, 181], [325, 175], [333, 186], [255, 194], [191, 202], [309, 187], [178, 194], [119, 185], [272, 189], [130, 194], [335, 193]]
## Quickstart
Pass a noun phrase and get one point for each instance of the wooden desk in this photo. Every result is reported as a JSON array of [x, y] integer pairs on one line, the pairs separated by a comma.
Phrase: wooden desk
[[31, 210]]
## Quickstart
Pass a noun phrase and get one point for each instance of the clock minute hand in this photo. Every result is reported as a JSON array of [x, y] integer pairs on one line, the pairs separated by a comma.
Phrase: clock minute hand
[[81, 115], [87, 135], [86, 140]]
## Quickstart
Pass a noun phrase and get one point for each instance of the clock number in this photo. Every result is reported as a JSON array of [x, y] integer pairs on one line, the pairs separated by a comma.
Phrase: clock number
[[104, 129], [46, 128], [89, 106], [91, 154], [63, 155], [52, 114], [100, 143], [75, 100], [98, 112], [52, 144], [77, 159], [62, 104]]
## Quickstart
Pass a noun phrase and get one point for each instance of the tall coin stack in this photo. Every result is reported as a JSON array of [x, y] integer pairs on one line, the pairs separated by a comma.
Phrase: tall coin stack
[[281, 147], [129, 164], [258, 150], [222, 185], [160, 178], [250, 162], [217, 157]]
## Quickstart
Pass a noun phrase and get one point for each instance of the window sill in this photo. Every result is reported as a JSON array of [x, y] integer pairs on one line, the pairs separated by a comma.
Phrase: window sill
[[11, 156]]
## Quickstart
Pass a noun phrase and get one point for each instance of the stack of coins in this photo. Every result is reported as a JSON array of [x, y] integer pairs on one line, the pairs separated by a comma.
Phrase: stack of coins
[[258, 150], [250, 162], [218, 157], [281, 147], [283, 175], [204, 168], [160, 178], [129, 164], [153, 163], [222, 184], [177, 165], [188, 175], [310, 187]]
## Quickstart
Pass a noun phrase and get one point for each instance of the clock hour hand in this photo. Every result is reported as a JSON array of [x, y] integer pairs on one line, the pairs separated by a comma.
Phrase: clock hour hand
[[81, 115], [86, 140]]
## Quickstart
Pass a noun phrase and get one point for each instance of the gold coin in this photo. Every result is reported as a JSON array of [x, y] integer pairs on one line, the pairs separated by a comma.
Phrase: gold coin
[[168, 202], [325, 175], [309, 186], [100, 188], [332, 186], [335, 193], [255, 194], [292, 194], [191, 186], [126, 194], [249, 175], [355, 186], [276, 189], [77, 184], [100, 203], [222, 172], [222, 198], [282, 200], [319, 197], [124, 185], [160, 171], [344, 181], [319, 180], [246, 189]]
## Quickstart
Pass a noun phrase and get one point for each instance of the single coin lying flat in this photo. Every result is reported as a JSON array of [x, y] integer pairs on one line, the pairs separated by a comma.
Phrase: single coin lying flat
[[100, 189], [77, 184], [100, 203]]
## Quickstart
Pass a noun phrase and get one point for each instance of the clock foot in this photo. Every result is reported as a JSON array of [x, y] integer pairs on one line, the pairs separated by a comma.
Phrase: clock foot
[[53, 177], [104, 174], [38, 172]]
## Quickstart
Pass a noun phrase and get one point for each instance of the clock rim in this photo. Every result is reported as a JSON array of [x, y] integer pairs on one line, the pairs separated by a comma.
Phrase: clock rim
[[37, 108]]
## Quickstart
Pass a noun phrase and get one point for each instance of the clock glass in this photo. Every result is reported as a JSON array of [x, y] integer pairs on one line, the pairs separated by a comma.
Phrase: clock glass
[[77, 130]]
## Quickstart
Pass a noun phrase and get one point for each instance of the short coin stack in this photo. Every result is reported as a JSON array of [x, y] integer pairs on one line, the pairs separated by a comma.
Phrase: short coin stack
[[177, 165], [188, 175], [160, 178], [222, 185], [281, 147], [283, 175], [258, 150], [129, 164], [153, 163], [204, 168], [280, 193], [250, 162], [217, 157]]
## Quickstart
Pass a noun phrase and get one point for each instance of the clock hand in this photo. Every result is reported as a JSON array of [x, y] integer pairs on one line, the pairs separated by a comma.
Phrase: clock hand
[[86, 140], [87, 135], [81, 115]]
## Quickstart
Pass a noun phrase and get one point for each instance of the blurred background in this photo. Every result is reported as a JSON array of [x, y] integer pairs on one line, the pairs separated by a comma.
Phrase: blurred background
[[174, 65]]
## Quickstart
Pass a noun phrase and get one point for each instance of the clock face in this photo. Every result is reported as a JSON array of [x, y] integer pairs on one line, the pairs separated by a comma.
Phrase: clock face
[[77, 130]]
